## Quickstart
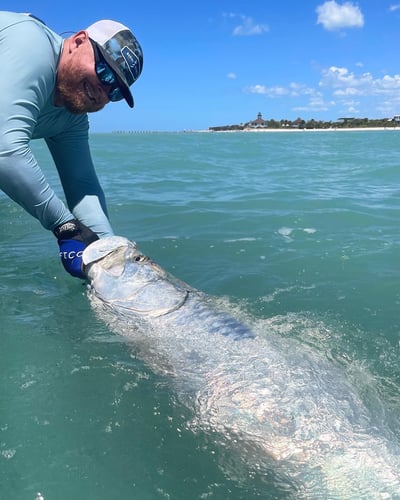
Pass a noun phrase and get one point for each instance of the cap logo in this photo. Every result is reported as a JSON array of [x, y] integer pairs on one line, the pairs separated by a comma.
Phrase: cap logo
[[132, 61]]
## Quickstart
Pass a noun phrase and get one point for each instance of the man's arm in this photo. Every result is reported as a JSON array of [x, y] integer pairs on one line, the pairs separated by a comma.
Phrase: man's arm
[[29, 57], [85, 197], [29, 63]]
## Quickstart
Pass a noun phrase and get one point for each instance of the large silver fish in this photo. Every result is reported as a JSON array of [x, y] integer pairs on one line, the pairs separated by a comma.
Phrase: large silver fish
[[284, 408]]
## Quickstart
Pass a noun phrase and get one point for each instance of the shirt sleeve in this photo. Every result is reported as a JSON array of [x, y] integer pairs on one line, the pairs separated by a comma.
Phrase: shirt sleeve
[[26, 84], [85, 197]]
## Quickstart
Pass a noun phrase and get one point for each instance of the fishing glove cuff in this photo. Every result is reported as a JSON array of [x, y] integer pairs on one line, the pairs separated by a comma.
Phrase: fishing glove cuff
[[72, 238]]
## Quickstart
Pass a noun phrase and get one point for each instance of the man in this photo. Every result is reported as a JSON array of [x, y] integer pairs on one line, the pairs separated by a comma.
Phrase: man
[[47, 87]]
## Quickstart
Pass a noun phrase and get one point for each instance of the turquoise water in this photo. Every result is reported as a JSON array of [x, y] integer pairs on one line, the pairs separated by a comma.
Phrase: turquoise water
[[301, 229]]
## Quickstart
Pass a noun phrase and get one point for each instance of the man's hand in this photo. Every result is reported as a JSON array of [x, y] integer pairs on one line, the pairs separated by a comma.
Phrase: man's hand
[[73, 237]]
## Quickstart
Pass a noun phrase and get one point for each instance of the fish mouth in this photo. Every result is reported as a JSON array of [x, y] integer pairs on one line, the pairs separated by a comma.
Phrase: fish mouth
[[99, 249]]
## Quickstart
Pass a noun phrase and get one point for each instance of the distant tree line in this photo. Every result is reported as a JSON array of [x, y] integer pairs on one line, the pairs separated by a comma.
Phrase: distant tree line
[[299, 123]]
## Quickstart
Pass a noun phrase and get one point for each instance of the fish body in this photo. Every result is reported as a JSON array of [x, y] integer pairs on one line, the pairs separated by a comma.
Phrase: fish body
[[285, 407]]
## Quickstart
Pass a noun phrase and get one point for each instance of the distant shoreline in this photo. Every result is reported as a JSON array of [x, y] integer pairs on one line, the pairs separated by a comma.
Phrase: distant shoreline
[[257, 131], [298, 130]]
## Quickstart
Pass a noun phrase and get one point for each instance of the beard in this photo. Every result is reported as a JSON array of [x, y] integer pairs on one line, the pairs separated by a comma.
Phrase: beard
[[73, 97]]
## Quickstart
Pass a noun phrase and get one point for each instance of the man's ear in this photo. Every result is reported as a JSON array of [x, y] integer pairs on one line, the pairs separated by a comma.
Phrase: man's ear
[[78, 39]]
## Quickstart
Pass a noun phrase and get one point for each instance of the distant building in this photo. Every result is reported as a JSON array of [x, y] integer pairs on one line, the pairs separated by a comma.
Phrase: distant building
[[258, 123]]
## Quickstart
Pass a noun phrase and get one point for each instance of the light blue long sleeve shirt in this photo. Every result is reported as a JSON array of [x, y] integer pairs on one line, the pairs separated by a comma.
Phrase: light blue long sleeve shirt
[[29, 57]]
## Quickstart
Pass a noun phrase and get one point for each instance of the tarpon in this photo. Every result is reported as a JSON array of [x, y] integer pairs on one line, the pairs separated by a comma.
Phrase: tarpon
[[282, 406]]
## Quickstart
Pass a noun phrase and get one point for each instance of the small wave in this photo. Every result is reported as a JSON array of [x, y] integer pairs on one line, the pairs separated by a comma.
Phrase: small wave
[[287, 232], [279, 291], [7, 454], [235, 240]]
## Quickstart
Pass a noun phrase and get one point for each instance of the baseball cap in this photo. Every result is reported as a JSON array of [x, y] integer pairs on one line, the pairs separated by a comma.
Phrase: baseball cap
[[121, 51]]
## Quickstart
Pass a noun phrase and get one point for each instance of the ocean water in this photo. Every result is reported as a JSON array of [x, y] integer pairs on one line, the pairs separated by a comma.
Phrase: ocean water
[[299, 231]]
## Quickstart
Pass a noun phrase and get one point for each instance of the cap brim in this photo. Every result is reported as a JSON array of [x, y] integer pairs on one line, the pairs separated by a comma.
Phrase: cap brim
[[122, 83]]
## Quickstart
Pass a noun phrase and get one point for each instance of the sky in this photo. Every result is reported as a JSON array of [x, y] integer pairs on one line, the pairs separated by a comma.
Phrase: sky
[[221, 62]]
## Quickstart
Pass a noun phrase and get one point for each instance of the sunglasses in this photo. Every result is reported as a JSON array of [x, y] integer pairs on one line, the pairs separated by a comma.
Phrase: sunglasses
[[106, 75]]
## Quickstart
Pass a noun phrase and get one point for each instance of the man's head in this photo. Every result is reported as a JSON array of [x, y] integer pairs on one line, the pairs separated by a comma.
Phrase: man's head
[[121, 52], [98, 65]]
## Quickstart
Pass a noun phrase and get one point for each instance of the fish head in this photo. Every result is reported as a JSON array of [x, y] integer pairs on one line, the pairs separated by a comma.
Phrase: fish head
[[124, 278]]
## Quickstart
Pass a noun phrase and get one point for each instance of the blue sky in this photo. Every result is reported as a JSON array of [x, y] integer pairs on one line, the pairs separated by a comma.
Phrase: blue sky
[[219, 62]]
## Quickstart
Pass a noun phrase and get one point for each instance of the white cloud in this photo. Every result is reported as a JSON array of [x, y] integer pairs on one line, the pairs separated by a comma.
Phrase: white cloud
[[231, 76], [247, 26], [300, 89], [313, 105], [334, 16], [344, 82], [257, 89], [350, 91], [388, 84], [268, 91], [341, 90], [292, 90], [389, 107], [394, 7], [351, 107]]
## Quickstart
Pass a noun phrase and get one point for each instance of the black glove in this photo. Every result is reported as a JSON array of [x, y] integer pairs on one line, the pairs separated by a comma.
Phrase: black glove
[[72, 238]]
